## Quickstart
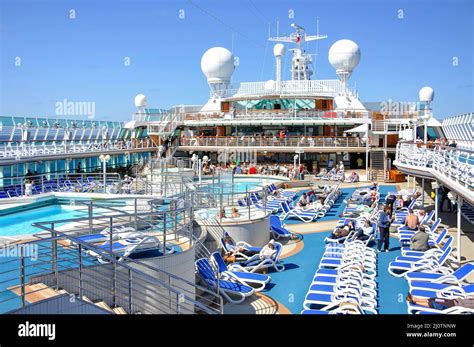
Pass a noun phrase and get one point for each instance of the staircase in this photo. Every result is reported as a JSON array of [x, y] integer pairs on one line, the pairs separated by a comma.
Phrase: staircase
[[167, 126], [36, 292], [377, 159]]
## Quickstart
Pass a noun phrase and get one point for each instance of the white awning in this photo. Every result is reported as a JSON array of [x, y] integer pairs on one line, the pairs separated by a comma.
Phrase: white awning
[[359, 129], [433, 122]]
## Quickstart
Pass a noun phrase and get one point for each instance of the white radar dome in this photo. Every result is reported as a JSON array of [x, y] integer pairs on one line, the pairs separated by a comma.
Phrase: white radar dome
[[217, 64], [279, 50], [426, 94], [344, 55], [140, 100]]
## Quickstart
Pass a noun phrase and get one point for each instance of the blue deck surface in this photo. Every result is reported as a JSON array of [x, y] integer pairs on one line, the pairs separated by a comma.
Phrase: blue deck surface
[[290, 286]]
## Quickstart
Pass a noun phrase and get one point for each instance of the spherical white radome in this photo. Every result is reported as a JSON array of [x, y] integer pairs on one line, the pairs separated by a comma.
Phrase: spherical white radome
[[279, 50], [426, 94], [140, 101], [344, 55], [217, 64], [269, 85]]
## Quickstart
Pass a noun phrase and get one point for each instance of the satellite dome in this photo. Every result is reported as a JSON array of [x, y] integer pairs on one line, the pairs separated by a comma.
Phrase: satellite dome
[[269, 85], [279, 50], [344, 55], [140, 100], [217, 64], [426, 94]]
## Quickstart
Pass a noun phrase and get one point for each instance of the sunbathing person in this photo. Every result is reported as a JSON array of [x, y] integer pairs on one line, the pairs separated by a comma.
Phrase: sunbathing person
[[268, 251], [303, 201], [411, 221], [365, 232], [232, 249], [344, 231], [440, 303]]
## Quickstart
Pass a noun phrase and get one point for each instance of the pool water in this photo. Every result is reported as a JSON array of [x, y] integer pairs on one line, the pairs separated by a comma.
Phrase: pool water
[[19, 223], [240, 185]]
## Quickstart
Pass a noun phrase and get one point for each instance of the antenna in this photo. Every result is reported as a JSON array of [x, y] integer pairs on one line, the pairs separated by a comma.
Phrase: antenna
[[301, 62]]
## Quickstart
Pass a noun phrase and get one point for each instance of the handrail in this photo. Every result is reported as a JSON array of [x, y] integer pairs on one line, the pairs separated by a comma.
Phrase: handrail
[[452, 163], [257, 141], [172, 215]]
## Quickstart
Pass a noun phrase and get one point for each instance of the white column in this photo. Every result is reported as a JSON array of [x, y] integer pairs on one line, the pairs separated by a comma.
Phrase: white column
[[423, 192], [200, 170], [459, 204], [104, 165], [367, 154]]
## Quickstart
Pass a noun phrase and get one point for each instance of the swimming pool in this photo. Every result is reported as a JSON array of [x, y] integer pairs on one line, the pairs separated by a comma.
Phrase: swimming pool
[[19, 223], [240, 184]]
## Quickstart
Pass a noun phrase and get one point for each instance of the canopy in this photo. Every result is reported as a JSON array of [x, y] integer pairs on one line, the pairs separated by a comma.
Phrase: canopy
[[433, 122], [359, 129]]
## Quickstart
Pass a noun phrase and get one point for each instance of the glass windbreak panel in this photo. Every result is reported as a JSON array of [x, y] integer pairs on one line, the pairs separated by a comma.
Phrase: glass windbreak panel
[[43, 122], [6, 121], [276, 104], [32, 122], [62, 123], [19, 120], [17, 135]]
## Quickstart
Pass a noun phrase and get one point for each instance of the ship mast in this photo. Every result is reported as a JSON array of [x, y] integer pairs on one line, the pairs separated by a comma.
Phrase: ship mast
[[301, 62]]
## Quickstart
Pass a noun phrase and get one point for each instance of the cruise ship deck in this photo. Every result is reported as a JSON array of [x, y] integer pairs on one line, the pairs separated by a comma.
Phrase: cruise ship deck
[[209, 169]]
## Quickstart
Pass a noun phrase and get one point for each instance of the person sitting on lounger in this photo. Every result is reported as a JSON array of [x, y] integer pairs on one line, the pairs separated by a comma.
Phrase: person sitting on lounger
[[276, 193], [234, 213], [439, 303], [311, 195], [319, 204], [399, 203], [365, 232], [344, 231], [232, 249], [420, 241], [268, 250], [414, 197], [303, 201], [411, 221]]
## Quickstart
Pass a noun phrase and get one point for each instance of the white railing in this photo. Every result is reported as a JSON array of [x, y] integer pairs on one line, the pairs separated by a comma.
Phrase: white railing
[[452, 164], [25, 150], [168, 124], [258, 141], [328, 88]]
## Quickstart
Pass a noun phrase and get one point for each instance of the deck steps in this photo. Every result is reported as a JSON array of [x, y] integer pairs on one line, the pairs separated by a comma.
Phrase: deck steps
[[119, 310], [103, 305], [35, 292]]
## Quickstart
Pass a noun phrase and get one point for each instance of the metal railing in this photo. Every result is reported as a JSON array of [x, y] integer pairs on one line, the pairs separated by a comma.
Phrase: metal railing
[[313, 87], [63, 263], [258, 141], [451, 163], [29, 185], [20, 150]]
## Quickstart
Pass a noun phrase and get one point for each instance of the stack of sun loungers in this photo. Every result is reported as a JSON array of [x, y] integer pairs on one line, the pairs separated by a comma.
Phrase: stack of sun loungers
[[433, 273], [344, 282], [310, 213]]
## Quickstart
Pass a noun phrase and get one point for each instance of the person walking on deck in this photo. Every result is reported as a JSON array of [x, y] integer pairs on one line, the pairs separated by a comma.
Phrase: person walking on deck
[[384, 222]]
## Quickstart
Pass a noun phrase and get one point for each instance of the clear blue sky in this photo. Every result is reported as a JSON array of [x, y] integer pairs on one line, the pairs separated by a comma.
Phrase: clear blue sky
[[82, 59]]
